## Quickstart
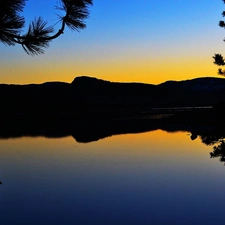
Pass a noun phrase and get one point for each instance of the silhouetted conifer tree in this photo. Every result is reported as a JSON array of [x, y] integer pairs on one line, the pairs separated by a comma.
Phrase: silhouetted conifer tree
[[218, 58], [39, 35]]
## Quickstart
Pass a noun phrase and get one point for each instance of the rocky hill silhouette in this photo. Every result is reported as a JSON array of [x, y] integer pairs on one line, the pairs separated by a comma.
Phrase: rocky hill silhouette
[[88, 94]]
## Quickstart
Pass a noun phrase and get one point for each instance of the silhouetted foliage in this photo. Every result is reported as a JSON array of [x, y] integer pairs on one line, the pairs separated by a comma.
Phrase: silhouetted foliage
[[210, 140], [219, 151], [218, 143], [39, 35], [218, 58]]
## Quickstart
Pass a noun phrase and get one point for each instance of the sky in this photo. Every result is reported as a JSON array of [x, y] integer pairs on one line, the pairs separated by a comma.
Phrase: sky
[[144, 41]]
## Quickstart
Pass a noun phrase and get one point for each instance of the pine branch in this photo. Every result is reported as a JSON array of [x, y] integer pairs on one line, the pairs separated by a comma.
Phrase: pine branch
[[9, 28], [38, 36], [11, 7], [10, 21], [219, 60]]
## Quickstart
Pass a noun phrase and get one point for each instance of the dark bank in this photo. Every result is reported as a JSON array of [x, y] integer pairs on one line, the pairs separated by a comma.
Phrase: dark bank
[[90, 109]]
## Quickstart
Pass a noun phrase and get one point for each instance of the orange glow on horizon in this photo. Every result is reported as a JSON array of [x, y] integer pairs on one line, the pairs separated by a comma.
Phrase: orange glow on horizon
[[134, 71]]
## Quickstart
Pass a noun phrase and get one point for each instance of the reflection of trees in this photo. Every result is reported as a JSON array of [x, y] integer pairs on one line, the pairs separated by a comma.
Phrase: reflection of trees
[[207, 138], [210, 139], [215, 140], [219, 151]]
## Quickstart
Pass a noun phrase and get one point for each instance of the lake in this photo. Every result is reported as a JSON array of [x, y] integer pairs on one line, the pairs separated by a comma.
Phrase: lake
[[154, 177]]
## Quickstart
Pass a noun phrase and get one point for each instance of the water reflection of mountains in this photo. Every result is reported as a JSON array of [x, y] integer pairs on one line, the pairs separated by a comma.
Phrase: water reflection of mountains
[[204, 125], [90, 109], [210, 130]]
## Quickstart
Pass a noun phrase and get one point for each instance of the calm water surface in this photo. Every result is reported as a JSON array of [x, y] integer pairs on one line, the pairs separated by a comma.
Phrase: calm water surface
[[148, 178]]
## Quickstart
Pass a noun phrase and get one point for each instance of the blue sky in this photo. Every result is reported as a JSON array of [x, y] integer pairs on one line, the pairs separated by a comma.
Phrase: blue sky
[[127, 41]]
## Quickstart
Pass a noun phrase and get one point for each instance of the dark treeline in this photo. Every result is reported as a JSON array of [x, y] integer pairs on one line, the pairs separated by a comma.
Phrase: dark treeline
[[90, 109], [87, 94]]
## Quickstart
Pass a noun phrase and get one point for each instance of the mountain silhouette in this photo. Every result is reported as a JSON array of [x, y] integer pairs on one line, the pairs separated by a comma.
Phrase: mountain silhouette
[[88, 94], [90, 109]]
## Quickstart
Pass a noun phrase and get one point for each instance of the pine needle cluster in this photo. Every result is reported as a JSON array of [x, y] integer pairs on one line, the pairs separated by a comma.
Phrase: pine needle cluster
[[38, 36]]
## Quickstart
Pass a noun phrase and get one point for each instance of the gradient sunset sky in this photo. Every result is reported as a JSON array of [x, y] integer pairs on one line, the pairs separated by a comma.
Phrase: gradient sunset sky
[[126, 41]]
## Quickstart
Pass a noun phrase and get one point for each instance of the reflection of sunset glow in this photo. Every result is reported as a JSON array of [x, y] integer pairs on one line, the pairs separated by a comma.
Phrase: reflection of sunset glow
[[144, 145], [155, 142], [148, 142], [140, 173]]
